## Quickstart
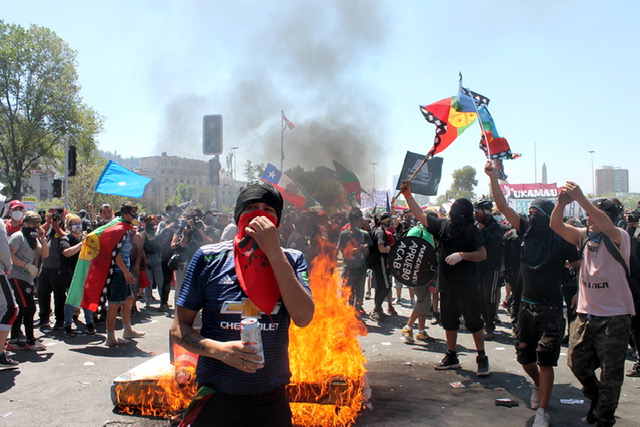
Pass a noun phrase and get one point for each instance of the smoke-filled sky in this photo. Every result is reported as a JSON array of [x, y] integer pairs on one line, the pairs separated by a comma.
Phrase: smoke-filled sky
[[351, 75]]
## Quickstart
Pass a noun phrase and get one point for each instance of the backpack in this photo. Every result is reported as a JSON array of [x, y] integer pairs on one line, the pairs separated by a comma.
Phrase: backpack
[[632, 271]]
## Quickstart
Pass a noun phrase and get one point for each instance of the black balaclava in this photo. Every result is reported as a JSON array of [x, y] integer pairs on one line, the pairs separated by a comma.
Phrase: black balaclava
[[461, 216], [258, 191], [540, 241]]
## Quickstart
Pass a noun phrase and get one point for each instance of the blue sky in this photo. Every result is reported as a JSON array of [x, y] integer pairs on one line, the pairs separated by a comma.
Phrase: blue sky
[[351, 76]]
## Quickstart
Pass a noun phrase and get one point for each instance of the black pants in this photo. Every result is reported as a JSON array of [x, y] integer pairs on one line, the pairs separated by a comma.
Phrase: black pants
[[167, 277], [269, 409], [490, 283], [568, 292], [382, 282], [50, 281], [23, 292]]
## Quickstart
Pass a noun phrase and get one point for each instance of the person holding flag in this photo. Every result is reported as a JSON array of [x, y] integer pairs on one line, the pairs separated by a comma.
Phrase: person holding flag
[[251, 276]]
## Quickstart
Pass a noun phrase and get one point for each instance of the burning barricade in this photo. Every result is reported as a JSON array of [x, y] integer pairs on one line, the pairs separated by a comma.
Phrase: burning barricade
[[327, 365]]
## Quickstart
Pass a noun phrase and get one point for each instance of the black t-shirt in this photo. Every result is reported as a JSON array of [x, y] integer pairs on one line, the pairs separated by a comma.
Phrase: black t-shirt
[[378, 237], [462, 277], [68, 264], [542, 285], [492, 238]]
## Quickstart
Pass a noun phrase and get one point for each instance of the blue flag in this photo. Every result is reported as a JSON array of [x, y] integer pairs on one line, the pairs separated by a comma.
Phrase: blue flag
[[120, 181], [466, 99]]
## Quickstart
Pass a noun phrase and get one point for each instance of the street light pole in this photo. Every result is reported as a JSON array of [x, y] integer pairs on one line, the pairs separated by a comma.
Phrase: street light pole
[[374, 174], [593, 175], [233, 150]]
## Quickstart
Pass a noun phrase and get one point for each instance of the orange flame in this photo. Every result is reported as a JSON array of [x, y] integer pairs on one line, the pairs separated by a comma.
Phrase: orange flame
[[156, 397], [327, 351]]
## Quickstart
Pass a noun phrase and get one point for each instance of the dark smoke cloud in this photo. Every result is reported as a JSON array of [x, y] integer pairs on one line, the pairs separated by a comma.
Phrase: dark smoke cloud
[[307, 59]]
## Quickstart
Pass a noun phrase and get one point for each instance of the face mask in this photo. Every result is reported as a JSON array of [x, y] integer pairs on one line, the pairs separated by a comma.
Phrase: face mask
[[17, 215], [151, 229], [76, 228], [539, 221]]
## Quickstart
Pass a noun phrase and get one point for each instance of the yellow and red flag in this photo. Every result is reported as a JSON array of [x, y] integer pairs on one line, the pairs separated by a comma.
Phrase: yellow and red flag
[[94, 262], [448, 120]]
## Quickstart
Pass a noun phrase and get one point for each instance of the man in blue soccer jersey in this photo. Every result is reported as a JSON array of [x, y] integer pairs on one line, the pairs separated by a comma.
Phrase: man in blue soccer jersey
[[251, 276]]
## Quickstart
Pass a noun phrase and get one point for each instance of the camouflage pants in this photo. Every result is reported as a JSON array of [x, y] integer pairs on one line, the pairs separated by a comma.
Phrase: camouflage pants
[[600, 342]]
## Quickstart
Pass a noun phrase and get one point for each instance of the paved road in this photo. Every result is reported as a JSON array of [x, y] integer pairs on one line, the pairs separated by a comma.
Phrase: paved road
[[406, 390], [69, 383]]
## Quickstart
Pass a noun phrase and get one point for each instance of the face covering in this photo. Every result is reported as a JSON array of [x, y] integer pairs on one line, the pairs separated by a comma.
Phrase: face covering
[[17, 215], [30, 235], [539, 222], [76, 228], [150, 229], [254, 272]]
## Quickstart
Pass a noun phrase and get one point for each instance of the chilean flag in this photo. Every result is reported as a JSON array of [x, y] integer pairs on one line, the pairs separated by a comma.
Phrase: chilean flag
[[291, 192]]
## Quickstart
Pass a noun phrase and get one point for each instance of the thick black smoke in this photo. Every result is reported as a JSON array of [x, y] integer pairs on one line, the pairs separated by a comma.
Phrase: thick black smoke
[[312, 60]]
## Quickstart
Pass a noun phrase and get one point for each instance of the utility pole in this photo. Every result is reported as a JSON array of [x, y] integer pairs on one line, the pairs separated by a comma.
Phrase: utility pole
[[374, 174]]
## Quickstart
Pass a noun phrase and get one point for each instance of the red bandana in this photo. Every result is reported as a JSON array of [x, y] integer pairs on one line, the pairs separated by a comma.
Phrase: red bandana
[[254, 272]]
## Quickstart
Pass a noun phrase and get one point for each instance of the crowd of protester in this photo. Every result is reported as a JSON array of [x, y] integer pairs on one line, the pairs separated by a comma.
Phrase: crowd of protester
[[489, 256]]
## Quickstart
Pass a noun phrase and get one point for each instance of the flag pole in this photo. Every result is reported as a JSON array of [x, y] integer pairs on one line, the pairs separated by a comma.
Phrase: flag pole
[[484, 133], [281, 140]]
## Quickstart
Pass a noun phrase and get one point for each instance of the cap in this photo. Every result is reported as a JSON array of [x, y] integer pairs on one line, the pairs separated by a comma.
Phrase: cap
[[609, 207], [14, 204]]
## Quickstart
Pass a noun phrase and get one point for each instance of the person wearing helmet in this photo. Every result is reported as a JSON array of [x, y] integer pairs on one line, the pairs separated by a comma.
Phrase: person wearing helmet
[[600, 334], [489, 269]]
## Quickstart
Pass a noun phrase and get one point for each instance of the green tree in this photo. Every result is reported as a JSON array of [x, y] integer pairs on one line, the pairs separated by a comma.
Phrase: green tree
[[464, 181], [182, 193], [40, 105], [323, 186], [252, 171]]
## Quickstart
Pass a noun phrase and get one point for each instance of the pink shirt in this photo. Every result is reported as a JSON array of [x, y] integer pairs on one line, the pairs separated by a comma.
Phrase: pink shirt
[[604, 290]]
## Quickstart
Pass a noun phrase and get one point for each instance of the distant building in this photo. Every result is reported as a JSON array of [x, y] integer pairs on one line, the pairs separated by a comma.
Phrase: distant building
[[611, 179], [41, 183], [544, 173], [167, 172]]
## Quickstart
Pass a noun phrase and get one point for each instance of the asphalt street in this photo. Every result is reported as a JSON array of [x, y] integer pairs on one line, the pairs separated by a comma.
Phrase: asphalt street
[[69, 383]]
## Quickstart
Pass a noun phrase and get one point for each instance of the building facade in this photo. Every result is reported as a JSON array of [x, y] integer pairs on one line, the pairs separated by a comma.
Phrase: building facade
[[41, 184], [610, 179], [167, 172]]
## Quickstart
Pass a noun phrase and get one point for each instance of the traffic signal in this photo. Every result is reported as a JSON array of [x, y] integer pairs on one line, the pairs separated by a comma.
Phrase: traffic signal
[[71, 161], [57, 188], [212, 134]]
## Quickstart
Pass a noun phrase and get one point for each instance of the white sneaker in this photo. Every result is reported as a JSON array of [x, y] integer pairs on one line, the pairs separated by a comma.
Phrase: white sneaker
[[542, 418], [535, 397]]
